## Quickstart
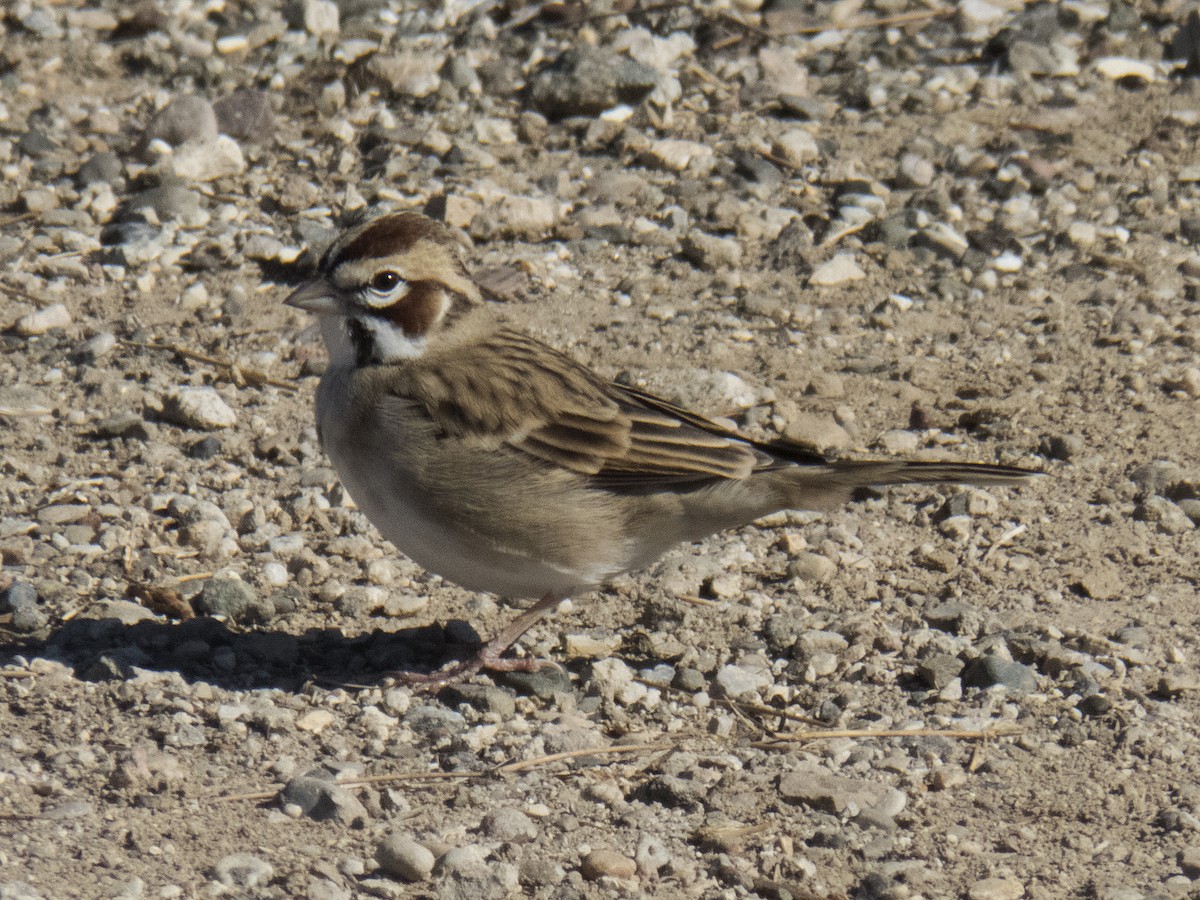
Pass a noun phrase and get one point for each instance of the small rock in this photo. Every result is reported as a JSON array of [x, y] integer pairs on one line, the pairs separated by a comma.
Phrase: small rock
[[1187, 383], [818, 789], [996, 889], [246, 115], [46, 319], [198, 407], [710, 252], [1189, 861], [817, 431], [482, 697], [123, 425], [1121, 67], [796, 147], [243, 870], [815, 568], [939, 670], [842, 269], [408, 74], [208, 161], [652, 856], [227, 597], [915, 171], [403, 857], [186, 118], [991, 671], [169, 202], [737, 681], [678, 156], [607, 864], [103, 167], [1168, 516], [317, 17], [508, 825], [323, 800], [21, 600], [586, 81]]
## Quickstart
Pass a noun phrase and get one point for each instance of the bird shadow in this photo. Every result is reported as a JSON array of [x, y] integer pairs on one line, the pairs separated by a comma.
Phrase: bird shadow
[[206, 649]]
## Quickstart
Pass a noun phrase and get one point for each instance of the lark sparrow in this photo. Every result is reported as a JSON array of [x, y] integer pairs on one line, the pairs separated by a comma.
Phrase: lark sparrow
[[503, 465]]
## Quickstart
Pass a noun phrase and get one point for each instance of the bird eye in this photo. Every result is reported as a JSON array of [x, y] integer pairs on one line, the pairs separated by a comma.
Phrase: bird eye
[[384, 282]]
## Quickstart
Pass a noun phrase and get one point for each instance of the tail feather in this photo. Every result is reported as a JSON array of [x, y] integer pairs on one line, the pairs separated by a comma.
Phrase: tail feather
[[861, 473], [832, 484]]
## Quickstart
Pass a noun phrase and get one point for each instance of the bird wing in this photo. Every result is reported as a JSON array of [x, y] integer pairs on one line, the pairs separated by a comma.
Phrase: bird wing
[[509, 389]]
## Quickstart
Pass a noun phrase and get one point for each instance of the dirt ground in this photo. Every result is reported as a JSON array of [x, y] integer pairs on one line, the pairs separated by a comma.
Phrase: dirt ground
[[891, 229]]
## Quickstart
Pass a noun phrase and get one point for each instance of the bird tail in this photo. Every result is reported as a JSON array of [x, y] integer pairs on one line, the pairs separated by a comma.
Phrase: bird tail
[[831, 484], [879, 473]]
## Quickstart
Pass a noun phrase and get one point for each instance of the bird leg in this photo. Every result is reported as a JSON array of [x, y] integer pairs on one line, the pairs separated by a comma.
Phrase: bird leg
[[490, 656]]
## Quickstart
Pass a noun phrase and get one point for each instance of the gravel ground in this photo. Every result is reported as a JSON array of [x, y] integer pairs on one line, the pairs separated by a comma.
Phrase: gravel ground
[[889, 228]]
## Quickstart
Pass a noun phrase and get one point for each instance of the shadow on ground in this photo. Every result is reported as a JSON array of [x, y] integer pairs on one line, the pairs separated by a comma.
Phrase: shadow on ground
[[206, 649]]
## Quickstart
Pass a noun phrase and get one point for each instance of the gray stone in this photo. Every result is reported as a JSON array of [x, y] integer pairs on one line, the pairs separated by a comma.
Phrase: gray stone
[[604, 863], [322, 800], [508, 825], [938, 671], [991, 671], [246, 115], [186, 118], [48, 318], [198, 407], [818, 789], [104, 166], [1168, 516], [169, 202], [585, 81], [243, 870], [21, 600], [227, 597], [403, 857]]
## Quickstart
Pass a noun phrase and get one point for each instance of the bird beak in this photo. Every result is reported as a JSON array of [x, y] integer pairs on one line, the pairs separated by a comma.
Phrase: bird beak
[[314, 296]]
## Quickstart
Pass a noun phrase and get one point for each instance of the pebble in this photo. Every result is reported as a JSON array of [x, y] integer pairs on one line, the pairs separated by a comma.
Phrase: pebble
[[991, 671], [586, 81], [47, 318], [169, 202], [246, 116], [915, 171], [243, 870], [317, 17], [407, 74], [841, 269], [996, 889], [605, 863], [401, 856], [324, 801], [710, 252], [1188, 382], [186, 118], [21, 601], [1120, 67], [227, 597], [796, 147], [103, 167], [508, 825], [209, 160], [1168, 516], [485, 698], [736, 681], [815, 568], [818, 789], [680, 155], [198, 407], [1189, 861], [939, 670]]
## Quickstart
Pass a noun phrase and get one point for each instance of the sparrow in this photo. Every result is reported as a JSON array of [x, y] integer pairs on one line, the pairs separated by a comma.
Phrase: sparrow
[[498, 462]]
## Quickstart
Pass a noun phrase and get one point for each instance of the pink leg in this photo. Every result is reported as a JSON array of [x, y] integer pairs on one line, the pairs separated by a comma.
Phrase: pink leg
[[490, 655]]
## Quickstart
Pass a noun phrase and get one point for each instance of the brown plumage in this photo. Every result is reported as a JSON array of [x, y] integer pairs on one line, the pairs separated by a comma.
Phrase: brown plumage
[[501, 463]]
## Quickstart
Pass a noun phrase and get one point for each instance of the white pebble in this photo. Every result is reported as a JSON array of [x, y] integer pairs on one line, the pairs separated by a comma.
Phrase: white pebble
[[43, 320]]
